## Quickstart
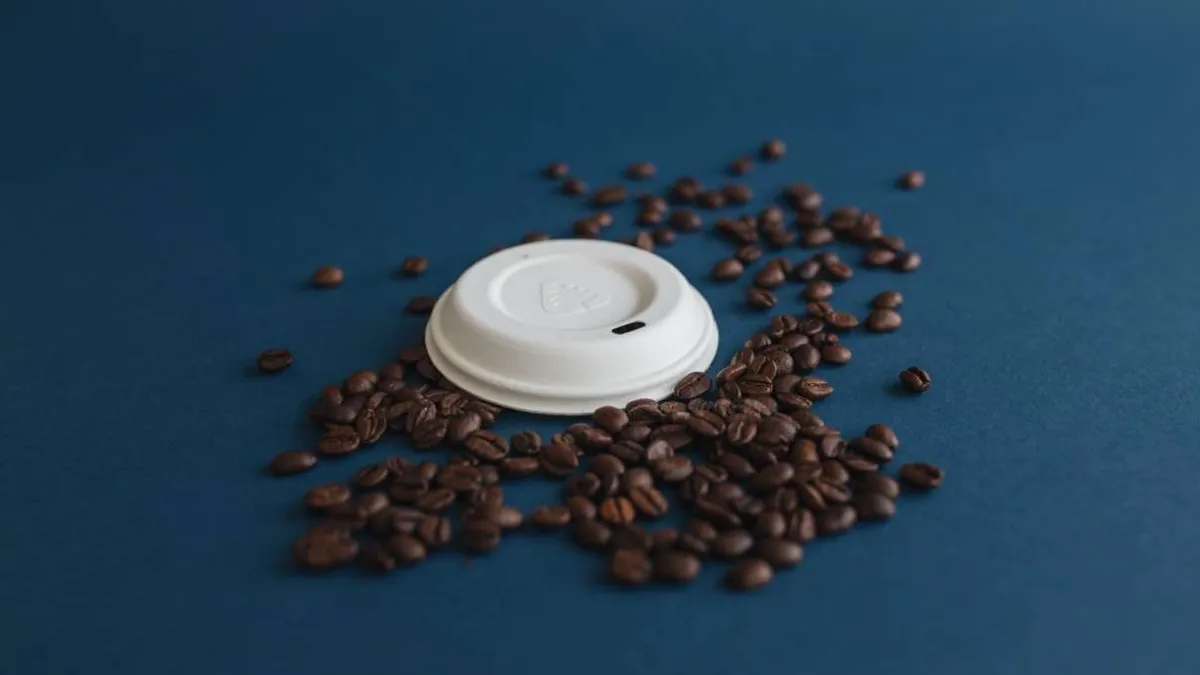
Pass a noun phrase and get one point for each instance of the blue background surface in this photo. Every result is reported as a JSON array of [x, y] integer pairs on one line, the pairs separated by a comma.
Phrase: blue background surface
[[171, 172]]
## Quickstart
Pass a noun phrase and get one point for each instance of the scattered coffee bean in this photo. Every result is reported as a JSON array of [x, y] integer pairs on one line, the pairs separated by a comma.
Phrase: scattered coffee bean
[[921, 475], [675, 566], [779, 553], [609, 195], [873, 506], [836, 519], [323, 548], [748, 254], [479, 536], [617, 511], [415, 265], [328, 276], [749, 575], [291, 462], [274, 360], [629, 567], [649, 501], [406, 548], [916, 380], [727, 270], [837, 354], [556, 170], [772, 150], [911, 180], [592, 534], [376, 559], [888, 300], [422, 304], [737, 194], [771, 276], [873, 481], [663, 236], [574, 187], [550, 517], [879, 257], [731, 544], [760, 298], [908, 261], [640, 171], [883, 321], [712, 199], [692, 385]]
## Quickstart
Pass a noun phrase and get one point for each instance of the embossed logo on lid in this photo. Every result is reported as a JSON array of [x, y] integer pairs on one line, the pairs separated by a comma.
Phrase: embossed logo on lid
[[566, 299]]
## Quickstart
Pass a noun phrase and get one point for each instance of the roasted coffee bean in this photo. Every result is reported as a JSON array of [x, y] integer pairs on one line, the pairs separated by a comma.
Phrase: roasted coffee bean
[[748, 254], [806, 357], [770, 524], [684, 190], [550, 517], [760, 298], [574, 187], [291, 462], [858, 464], [479, 536], [610, 195], [593, 439], [643, 240], [649, 202], [274, 360], [663, 236], [629, 567], [605, 465], [692, 385], [890, 242], [831, 445], [430, 432], [395, 519], [727, 270], [376, 559], [437, 499], [834, 471], [836, 519], [323, 548], [806, 270], [742, 429], [833, 493], [414, 265], [581, 508], [779, 553], [435, 531], [525, 443], [507, 517], [908, 261], [629, 452], [640, 170], [738, 466], [673, 469], [814, 388], [610, 419], [617, 511], [676, 566], [731, 544], [406, 548], [712, 199], [837, 354], [872, 449], [556, 170], [648, 501], [630, 536], [531, 237], [916, 380], [873, 506], [421, 304], [325, 496], [338, 440], [770, 276], [884, 434], [911, 180], [771, 477], [883, 321], [328, 276], [558, 459], [817, 290], [684, 220], [460, 427], [921, 475], [737, 194], [842, 321], [664, 539], [818, 310], [706, 424], [873, 481], [815, 237], [749, 575], [801, 526], [888, 300], [519, 467], [592, 534], [487, 446], [637, 477], [772, 150], [459, 478], [879, 257]]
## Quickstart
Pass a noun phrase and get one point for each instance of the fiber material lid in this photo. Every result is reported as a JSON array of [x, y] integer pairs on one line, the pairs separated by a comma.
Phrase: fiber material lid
[[564, 327]]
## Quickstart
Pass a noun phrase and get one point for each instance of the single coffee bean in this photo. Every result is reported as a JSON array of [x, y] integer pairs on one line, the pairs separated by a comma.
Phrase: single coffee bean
[[631, 536], [640, 171], [556, 170], [328, 276], [770, 276], [649, 501], [916, 380], [586, 228], [558, 459], [406, 548], [816, 237], [507, 517], [610, 419], [519, 467], [323, 548], [873, 506], [414, 265], [911, 180], [487, 446], [430, 432], [770, 524], [749, 575], [592, 534], [663, 236], [550, 517], [376, 559], [438, 499], [395, 519], [737, 194], [338, 440], [692, 385], [675, 566], [643, 240], [326, 496], [760, 298], [921, 475], [814, 388], [727, 269], [771, 477], [673, 469], [873, 481], [772, 150], [606, 464], [779, 553], [617, 511], [748, 254], [883, 321], [884, 434], [435, 531], [890, 242], [479, 536], [274, 360], [836, 519], [291, 462], [422, 304], [609, 195], [706, 424], [741, 166], [879, 257], [664, 539], [636, 478], [574, 187], [908, 261], [817, 290], [629, 567], [525, 443], [460, 478], [712, 199], [581, 508], [731, 544]]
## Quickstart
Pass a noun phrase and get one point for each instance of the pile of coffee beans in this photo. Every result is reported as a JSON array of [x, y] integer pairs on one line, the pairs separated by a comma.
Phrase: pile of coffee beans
[[741, 455]]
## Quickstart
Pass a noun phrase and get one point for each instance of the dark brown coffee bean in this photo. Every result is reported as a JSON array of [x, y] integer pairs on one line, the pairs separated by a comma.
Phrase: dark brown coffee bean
[[460, 478], [328, 276], [673, 469], [760, 298], [586, 228], [727, 270], [640, 170], [558, 459], [434, 500], [872, 449], [836, 519], [610, 195], [323, 548], [487, 446], [871, 506], [908, 261], [830, 445], [817, 290], [395, 519], [884, 434], [338, 440], [430, 432], [814, 388], [873, 481], [406, 548], [574, 187], [771, 477], [479, 536], [507, 517], [741, 166], [742, 429], [815, 237], [731, 544], [837, 354], [772, 150], [916, 380], [414, 265], [675, 566], [326, 496], [460, 427], [888, 300], [519, 467], [581, 508], [291, 462], [737, 194], [550, 517], [649, 501], [712, 199], [435, 531], [770, 276], [606, 464], [857, 464], [376, 559], [748, 254], [592, 534], [556, 170], [663, 236], [842, 321], [911, 180], [274, 360], [779, 553], [610, 419], [706, 424], [692, 385], [921, 475], [879, 257], [643, 240], [617, 511], [770, 524], [629, 567], [749, 575], [883, 321], [632, 537], [421, 304]]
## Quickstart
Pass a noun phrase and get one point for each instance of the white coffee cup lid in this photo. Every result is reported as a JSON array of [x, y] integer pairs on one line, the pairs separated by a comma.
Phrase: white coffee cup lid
[[564, 327]]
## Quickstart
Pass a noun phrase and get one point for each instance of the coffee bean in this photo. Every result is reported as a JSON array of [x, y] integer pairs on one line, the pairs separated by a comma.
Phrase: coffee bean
[[556, 170], [883, 321], [873, 481], [479, 536], [814, 388], [908, 261], [323, 548], [610, 419], [675, 566], [550, 517], [770, 276], [887, 300], [779, 553], [421, 304], [435, 500], [609, 195], [291, 462], [376, 559], [574, 187], [760, 298], [274, 360], [617, 511], [673, 469], [460, 478], [592, 534], [487, 446], [749, 575], [836, 519], [606, 464], [684, 190], [649, 501], [842, 321], [727, 269], [519, 467], [740, 166], [692, 385], [558, 460], [640, 171], [872, 449], [916, 380], [737, 194], [395, 519], [586, 228], [406, 548], [873, 506], [430, 432], [879, 257], [772, 150], [338, 440], [770, 524], [629, 567], [815, 237], [817, 290], [748, 254], [731, 544], [706, 424], [328, 276], [435, 531], [911, 180], [414, 265], [771, 477], [921, 475]]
